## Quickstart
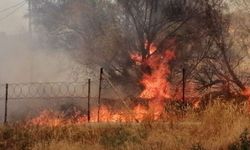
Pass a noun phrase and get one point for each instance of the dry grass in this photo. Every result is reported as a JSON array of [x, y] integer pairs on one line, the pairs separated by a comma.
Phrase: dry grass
[[216, 128]]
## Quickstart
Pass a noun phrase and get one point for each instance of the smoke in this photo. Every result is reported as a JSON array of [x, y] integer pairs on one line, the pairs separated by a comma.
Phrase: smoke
[[24, 61], [14, 23], [20, 63]]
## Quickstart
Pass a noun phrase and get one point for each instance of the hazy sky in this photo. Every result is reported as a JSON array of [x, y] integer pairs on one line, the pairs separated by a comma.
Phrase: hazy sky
[[15, 23]]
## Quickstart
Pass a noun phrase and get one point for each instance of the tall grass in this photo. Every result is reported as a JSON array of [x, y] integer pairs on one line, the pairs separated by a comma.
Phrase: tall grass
[[220, 126]]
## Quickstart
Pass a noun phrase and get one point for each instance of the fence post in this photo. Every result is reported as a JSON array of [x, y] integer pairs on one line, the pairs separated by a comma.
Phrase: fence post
[[89, 88], [6, 104], [99, 94], [183, 87]]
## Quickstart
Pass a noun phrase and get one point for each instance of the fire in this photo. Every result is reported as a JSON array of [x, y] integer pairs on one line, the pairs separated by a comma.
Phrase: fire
[[156, 87], [140, 112], [156, 90], [196, 104], [106, 115], [136, 57], [152, 47], [247, 94], [50, 118]]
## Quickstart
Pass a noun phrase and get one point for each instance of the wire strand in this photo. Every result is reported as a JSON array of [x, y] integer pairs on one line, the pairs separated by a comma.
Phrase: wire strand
[[13, 6], [12, 12]]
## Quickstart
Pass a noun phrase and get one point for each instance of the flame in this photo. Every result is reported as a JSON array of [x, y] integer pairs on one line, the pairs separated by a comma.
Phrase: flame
[[156, 90], [151, 48], [136, 57], [50, 118], [196, 104], [140, 112], [156, 84], [156, 87], [106, 115], [247, 94]]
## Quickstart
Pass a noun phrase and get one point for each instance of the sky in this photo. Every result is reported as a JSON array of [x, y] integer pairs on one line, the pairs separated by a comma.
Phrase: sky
[[16, 23]]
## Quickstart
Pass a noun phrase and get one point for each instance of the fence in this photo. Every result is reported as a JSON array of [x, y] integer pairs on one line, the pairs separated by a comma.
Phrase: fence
[[62, 90], [50, 90]]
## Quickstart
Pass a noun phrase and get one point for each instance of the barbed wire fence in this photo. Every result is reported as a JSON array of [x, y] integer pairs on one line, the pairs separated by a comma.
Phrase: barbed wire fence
[[186, 92], [50, 90], [90, 90]]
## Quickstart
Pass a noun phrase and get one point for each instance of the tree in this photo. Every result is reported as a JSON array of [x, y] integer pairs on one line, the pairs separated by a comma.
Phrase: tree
[[104, 33], [223, 69], [111, 32]]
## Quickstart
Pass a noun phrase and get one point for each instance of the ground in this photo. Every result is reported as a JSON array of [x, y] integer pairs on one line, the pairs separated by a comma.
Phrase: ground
[[219, 126]]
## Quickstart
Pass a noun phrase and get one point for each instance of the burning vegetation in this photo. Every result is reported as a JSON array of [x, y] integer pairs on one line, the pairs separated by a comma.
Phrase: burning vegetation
[[162, 52], [155, 93], [180, 69]]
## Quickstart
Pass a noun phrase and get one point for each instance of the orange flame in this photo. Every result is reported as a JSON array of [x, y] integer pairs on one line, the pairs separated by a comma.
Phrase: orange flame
[[156, 87], [140, 112], [50, 118], [156, 91], [247, 94], [136, 57], [196, 104], [151, 48]]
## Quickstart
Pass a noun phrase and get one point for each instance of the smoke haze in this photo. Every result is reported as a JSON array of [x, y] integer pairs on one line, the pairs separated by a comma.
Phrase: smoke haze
[[22, 63], [16, 22]]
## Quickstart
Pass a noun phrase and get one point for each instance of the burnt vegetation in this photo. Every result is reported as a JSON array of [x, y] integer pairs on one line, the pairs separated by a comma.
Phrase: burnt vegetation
[[179, 69], [206, 41]]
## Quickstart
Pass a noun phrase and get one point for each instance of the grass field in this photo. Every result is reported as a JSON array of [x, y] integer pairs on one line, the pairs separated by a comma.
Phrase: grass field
[[220, 126]]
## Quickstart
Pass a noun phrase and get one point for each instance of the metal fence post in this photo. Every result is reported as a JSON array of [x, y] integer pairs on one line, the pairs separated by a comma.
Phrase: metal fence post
[[89, 88], [99, 94], [6, 104], [183, 86]]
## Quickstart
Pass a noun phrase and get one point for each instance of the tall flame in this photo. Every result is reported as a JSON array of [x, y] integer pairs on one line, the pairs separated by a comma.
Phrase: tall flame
[[156, 87], [156, 90]]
